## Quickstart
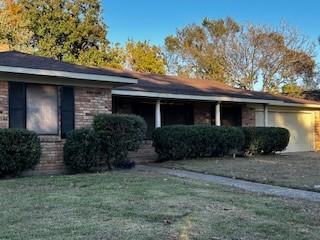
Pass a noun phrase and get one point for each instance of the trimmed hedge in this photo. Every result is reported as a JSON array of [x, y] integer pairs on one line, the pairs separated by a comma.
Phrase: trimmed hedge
[[20, 150], [183, 141], [265, 140], [118, 134], [81, 150]]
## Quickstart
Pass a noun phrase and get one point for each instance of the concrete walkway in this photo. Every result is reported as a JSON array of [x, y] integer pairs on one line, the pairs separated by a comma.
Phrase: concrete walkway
[[242, 184]]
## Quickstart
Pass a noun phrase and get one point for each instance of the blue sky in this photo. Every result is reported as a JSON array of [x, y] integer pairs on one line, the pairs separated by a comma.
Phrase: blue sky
[[154, 20]]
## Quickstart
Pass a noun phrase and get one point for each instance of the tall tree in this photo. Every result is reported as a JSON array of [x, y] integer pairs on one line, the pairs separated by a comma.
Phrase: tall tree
[[198, 50], [13, 28], [144, 57], [67, 30], [243, 55]]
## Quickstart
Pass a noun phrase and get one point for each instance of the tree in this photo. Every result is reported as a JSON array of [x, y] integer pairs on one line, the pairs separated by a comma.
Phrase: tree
[[13, 28], [244, 55], [67, 30], [198, 50], [144, 57]]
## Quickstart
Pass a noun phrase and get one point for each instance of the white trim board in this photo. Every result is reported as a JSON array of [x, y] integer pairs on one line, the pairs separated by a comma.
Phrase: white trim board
[[64, 74], [208, 98]]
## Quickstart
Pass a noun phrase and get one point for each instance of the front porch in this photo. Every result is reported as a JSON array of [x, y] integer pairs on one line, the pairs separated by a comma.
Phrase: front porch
[[163, 112]]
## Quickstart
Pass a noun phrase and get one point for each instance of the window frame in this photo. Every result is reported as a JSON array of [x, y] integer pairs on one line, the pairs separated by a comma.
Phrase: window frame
[[26, 107]]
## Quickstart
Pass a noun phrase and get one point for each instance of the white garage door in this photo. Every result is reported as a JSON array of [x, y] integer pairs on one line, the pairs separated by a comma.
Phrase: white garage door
[[300, 125]]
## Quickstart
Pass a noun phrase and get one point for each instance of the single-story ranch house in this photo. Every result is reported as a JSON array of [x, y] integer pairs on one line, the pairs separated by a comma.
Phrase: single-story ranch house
[[52, 98]]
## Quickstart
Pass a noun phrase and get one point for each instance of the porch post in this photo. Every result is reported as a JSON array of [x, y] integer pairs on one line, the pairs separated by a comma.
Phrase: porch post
[[218, 117], [265, 115], [158, 114]]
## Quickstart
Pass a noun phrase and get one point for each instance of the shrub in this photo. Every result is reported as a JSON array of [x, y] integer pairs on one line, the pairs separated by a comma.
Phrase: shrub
[[81, 150], [20, 150], [265, 140], [182, 141], [118, 134]]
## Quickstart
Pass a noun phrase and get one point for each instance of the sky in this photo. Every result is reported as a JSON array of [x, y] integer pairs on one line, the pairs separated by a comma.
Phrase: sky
[[154, 20]]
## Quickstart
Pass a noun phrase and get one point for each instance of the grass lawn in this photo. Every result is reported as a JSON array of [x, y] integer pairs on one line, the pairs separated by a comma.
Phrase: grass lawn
[[135, 205], [296, 170]]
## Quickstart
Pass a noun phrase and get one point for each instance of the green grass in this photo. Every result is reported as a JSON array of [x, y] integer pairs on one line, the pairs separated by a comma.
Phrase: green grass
[[295, 170], [135, 205]]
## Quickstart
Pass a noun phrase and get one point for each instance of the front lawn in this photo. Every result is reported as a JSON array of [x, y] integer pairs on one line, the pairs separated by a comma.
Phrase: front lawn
[[296, 170], [136, 205]]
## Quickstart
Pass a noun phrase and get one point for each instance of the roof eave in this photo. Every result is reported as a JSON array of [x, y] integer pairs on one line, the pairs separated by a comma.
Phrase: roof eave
[[136, 93], [109, 79]]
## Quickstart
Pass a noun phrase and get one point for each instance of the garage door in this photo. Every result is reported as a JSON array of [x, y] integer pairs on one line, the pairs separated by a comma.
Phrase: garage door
[[301, 127]]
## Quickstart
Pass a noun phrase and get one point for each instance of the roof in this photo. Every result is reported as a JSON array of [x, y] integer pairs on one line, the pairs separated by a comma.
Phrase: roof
[[171, 86], [18, 62]]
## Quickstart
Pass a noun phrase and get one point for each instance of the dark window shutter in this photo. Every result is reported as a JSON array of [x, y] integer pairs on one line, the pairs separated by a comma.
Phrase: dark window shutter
[[67, 110], [17, 105]]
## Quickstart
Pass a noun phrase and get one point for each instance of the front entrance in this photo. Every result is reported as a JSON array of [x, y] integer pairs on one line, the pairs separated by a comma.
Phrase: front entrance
[[177, 112]]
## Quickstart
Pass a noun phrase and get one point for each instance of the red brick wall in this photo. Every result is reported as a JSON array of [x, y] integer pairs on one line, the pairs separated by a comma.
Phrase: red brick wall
[[248, 116], [4, 105], [89, 102]]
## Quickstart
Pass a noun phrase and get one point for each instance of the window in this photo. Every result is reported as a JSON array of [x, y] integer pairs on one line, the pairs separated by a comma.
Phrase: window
[[35, 107], [42, 109]]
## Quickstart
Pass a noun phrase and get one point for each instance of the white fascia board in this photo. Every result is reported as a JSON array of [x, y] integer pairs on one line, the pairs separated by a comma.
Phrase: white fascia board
[[64, 74], [208, 98], [189, 97]]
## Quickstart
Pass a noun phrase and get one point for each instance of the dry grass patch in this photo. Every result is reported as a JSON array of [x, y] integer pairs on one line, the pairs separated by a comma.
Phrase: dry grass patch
[[296, 170]]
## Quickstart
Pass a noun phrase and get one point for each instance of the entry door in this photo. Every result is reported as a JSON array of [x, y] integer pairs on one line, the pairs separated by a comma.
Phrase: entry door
[[147, 112]]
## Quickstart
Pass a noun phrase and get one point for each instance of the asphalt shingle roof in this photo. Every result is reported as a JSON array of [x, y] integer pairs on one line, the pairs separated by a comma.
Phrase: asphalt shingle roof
[[146, 82]]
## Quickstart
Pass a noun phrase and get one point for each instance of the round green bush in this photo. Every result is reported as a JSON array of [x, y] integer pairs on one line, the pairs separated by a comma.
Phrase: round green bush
[[81, 150], [265, 140], [118, 134], [184, 141], [20, 150]]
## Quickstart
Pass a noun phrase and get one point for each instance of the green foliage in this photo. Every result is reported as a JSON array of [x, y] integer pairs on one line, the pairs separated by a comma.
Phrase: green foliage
[[144, 57], [182, 141], [19, 150], [13, 28], [118, 134], [81, 150], [265, 140], [65, 29], [292, 90]]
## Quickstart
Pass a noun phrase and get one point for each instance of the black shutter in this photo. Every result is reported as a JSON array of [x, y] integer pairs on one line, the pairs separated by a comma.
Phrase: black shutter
[[67, 110], [17, 105]]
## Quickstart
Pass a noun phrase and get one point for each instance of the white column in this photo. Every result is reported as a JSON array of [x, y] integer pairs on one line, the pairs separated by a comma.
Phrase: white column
[[265, 115], [158, 114], [218, 117]]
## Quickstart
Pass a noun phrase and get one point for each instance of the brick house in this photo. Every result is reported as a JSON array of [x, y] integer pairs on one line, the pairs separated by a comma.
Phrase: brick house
[[52, 98]]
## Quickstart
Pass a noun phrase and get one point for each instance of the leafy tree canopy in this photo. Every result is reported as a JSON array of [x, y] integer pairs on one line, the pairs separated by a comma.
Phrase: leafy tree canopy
[[67, 30], [242, 55], [144, 57]]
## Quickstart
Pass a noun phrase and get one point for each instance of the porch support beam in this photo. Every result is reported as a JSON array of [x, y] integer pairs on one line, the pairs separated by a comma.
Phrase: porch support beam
[[265, 115], [158, 114], [218, 113]]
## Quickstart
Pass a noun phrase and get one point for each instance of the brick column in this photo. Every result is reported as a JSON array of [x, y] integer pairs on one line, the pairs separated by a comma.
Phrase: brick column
[[89, 102], [4, 105], [248, 116]]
